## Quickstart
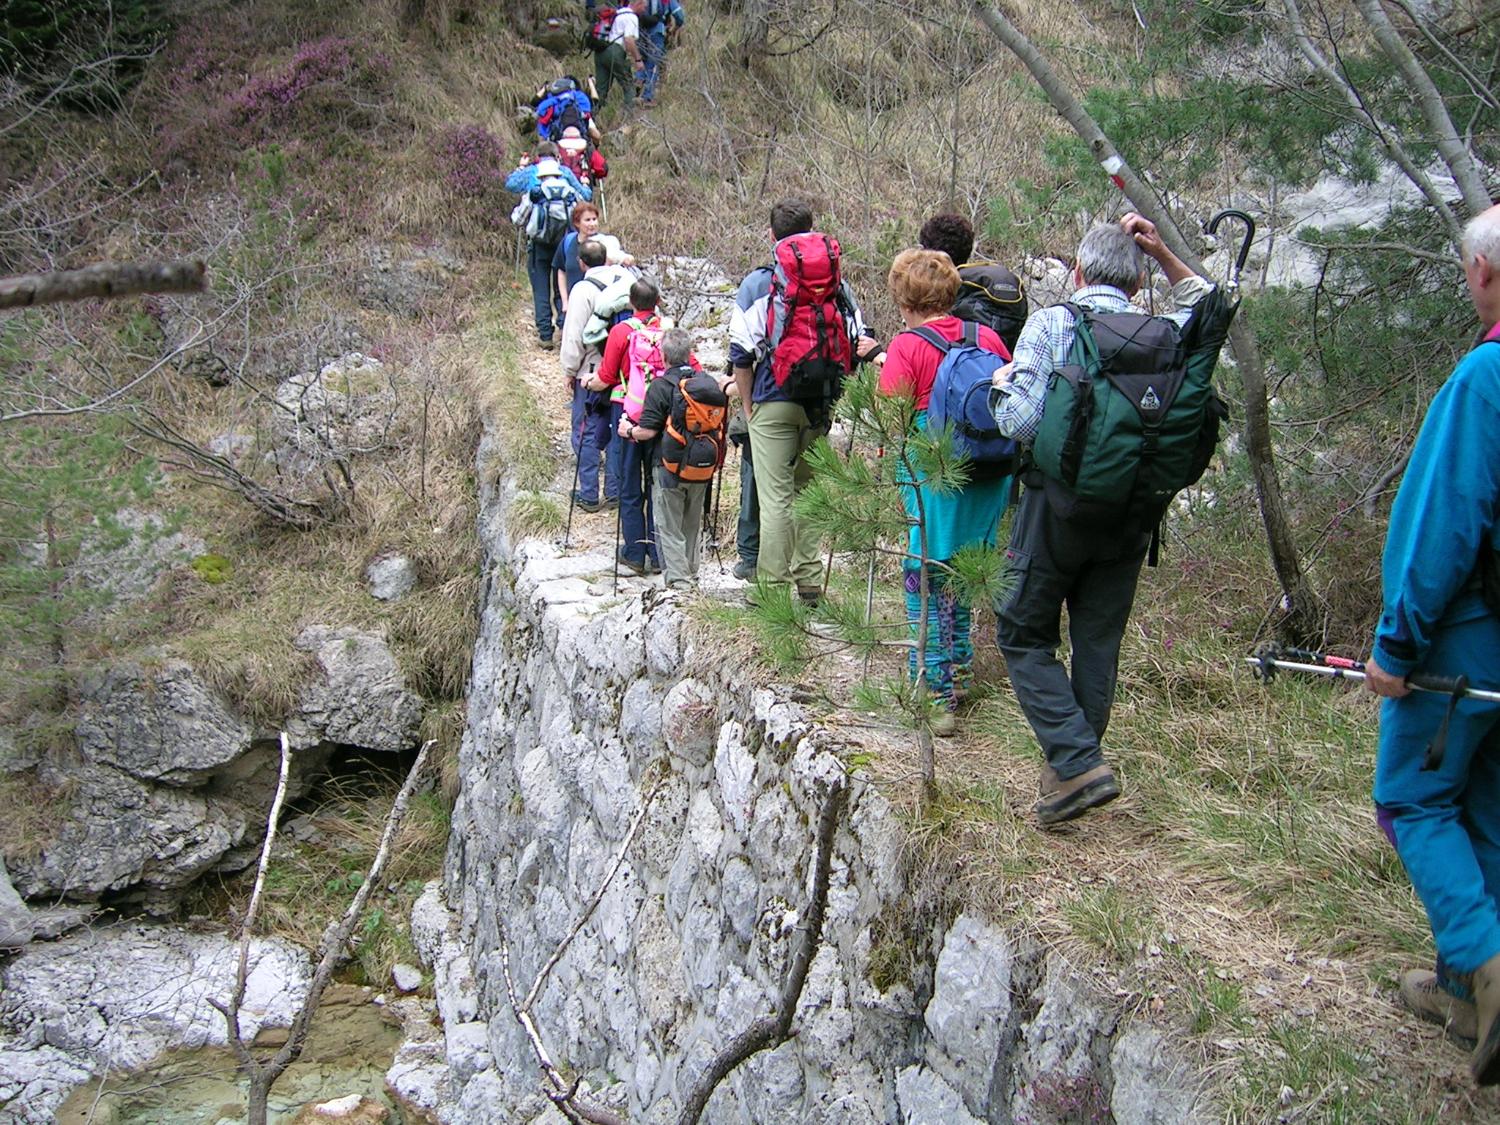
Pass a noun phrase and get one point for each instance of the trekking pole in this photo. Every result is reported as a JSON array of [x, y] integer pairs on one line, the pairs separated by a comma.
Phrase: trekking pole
[[1268, 660], [577, 468], [718, 492], [1212, 226], [618, 507]]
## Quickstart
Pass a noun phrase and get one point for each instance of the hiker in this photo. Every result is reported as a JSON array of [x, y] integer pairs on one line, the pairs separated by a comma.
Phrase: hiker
[[565, 260], [632, 359], [1060, 552], [1441, 615], [989, 293], [620, 59], [787, 401], [747, 524], [593, 418], [579, 155], [548, 193], [938, 348], [654, 19], [682, 428], [563, 104]]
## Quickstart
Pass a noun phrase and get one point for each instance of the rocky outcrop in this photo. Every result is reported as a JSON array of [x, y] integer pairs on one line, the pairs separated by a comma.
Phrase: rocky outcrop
[[16, 923], [590, 710], [160, 723], [405, 281], [361, 699], [121, 834], [173, 783], [115, 999]]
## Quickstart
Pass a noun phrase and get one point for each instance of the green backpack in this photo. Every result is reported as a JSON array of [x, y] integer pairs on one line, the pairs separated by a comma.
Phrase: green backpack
[[1132, 418]]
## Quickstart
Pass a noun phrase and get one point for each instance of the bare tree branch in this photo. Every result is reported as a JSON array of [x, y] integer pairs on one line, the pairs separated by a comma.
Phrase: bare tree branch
[[1383, 132], [263, 1074], [105, 280], [1301, 601], [776, 1028], [1450, 146]]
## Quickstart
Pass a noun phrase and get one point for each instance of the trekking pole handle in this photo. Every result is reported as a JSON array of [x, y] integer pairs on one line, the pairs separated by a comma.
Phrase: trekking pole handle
[[1212, 227], [1447, 685]]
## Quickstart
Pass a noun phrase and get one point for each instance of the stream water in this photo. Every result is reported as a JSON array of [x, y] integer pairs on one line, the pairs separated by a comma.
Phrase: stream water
[[348, 1051]]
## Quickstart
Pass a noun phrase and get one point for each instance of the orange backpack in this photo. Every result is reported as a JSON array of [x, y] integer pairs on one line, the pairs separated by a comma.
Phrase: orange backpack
[[694, 433]]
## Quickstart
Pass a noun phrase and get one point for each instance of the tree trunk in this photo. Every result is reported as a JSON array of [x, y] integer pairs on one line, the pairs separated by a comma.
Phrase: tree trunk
[[1302, 614], [259, 1096]]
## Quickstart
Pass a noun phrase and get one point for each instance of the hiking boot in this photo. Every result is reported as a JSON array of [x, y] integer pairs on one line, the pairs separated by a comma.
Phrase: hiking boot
[[1063, 800], [636, 568], [611, 502], [586, 505], [744, 571], [811, 596], [547, 343], [1425, 997], [1485, 1065]]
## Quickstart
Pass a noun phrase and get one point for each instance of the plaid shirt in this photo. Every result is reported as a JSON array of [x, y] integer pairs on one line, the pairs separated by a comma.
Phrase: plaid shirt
[[1047, 339]]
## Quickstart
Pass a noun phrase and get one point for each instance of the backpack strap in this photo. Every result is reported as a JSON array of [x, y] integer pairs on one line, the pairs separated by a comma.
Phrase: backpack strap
[[597, 283], [922, 332], [971, 333]]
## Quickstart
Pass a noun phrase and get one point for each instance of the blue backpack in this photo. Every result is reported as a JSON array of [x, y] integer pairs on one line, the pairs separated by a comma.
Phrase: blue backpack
[[961, 397]]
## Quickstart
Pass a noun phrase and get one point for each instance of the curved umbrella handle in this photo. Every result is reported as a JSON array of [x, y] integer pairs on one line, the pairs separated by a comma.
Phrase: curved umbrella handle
[[1212, 227]]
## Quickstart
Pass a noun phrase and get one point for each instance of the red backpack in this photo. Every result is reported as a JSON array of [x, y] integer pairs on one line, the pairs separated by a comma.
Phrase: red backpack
[[596, 38], [806, 323]]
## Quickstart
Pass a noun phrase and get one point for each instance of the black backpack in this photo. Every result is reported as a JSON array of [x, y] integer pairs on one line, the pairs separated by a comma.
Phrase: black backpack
[[992, 295]]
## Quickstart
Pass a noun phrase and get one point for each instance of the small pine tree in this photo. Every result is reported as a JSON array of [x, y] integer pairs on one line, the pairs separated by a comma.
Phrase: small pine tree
[[62, 489], [856, 504]]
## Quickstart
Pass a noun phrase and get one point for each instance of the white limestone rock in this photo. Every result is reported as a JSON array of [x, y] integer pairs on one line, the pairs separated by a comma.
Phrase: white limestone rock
[[689, 722], [1151, 1085], [925, 1099], [16, 924], [64, 1019], [970, 1014], [391, 578], [121, 833], [157, 723], [361, 700], [406, 978]]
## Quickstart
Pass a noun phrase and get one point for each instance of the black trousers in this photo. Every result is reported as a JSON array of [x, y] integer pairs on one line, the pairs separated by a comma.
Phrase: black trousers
[[1091, 566]]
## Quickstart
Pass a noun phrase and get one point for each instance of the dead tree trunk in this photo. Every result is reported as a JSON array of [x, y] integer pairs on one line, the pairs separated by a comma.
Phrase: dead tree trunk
[[107, 280], [1302, 617]]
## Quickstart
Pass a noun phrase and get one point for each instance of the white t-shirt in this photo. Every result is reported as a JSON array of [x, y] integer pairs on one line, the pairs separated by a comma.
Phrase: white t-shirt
[[627, 25]]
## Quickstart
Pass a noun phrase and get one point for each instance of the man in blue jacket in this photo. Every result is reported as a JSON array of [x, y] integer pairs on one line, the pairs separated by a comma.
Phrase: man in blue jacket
[[536, 180], [1439, 617]]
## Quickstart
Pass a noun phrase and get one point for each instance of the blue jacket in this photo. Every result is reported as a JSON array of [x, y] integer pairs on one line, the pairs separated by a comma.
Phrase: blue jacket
[[522, 180], [1444, 514], [552, 106]]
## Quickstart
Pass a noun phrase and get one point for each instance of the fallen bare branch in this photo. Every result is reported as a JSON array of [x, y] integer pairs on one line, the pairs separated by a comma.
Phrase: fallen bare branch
[[776, 1028], [105, 280], [263, 1074]]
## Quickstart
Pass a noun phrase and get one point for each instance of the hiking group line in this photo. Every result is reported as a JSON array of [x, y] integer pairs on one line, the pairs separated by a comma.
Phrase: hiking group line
[[1089, 416]]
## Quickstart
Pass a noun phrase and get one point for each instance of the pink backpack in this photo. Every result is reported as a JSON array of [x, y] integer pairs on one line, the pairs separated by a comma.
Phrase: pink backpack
[[643, 362]]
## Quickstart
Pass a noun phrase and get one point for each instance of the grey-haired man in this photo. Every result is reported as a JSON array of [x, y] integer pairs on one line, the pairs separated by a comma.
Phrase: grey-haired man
[[1056, 557]]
